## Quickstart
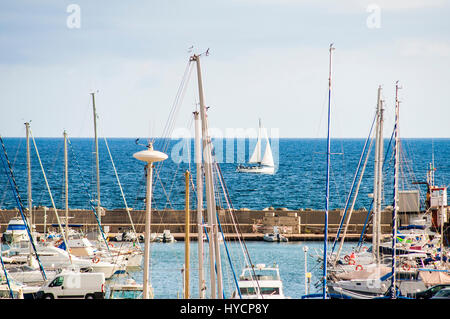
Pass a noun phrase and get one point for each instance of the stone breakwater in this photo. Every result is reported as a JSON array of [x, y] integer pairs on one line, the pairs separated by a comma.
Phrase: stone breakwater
[[303, 224]]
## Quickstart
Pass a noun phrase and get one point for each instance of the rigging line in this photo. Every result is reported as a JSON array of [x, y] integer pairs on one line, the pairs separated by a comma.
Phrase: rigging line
[[14, 185], [176, 107], [371, 205], [175, 103], [354, 198], [352, 187], [91, 202], [162, 185], [219, 180], [20, 205], [174, 111], [170, 126], [6, 182], [64, 235], [51, 171], [179, 163], [121, 191], [236, 223], [7, 278]]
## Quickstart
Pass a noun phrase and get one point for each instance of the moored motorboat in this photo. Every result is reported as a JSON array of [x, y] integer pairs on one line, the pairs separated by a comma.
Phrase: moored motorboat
[[260, 282]]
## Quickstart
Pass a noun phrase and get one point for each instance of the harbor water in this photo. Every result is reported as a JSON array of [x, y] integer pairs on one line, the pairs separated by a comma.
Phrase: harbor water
[[167, 262]]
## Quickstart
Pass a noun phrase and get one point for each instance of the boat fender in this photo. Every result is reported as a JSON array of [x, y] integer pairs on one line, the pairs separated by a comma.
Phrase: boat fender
[[359, 267], [95, 260], [352, 262]]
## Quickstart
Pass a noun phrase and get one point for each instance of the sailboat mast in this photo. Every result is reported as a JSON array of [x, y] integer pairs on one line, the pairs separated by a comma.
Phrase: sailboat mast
[[327, 195], [259, 142], [186, 238], [199, 180], [396, 200], [29, 194], [215, 260], [66, 182], [96, 158], [378, 179]]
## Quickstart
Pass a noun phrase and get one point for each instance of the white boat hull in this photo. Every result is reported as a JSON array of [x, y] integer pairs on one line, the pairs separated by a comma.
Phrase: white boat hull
[[257, 169]]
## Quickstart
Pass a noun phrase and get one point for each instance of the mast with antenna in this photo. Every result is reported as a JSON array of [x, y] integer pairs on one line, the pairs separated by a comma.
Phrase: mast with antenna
[[99, 208], [327, 192], [214, 248], [396, 199]]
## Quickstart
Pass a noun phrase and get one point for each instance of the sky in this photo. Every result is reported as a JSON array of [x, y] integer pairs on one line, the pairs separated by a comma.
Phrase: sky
[[267, 59]]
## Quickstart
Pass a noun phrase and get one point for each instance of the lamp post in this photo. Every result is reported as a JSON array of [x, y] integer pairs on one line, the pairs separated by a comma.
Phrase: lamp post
[[149, 156]]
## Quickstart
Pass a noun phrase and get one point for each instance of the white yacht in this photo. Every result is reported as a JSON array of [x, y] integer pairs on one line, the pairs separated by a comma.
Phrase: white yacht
[[260, 282], [118, 253], [15, 231], [26, 274], [53, 258]]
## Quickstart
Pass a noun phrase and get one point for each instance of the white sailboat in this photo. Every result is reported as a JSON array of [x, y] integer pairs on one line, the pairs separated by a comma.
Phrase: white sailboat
[[265, 165]]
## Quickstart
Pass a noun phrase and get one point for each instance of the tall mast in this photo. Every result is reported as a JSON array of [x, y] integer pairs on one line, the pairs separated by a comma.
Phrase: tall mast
[[66, 181], [96, 158], [199, 180], [29, 195], [396, 200], [215, 261], [378, 179], [186, 239], [258, 145], [327, 193]]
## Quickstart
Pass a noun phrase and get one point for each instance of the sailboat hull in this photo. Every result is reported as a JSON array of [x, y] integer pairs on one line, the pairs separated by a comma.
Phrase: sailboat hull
[[257, 169]]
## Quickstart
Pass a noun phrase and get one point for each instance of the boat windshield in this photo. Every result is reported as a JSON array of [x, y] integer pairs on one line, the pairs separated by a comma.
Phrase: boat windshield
[[260, 274]]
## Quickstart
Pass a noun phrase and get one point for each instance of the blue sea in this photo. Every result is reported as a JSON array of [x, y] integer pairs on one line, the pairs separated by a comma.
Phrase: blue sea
[[299, 182]]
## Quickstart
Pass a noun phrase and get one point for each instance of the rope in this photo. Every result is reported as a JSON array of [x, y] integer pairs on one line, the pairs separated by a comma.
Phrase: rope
[[20, 205], [121, 190], [91, 202], [64, 235]]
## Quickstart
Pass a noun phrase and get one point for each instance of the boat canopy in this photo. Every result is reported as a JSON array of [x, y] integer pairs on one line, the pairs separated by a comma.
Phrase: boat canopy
[[432, 278]]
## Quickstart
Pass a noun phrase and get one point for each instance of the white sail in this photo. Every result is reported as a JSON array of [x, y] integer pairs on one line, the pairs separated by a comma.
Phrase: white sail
[[256, 156], [268, 157]]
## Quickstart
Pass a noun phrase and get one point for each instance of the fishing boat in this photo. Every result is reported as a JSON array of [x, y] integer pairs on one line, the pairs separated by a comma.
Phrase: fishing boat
[[265, 165], [260, 282]]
